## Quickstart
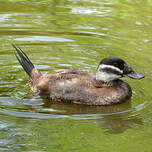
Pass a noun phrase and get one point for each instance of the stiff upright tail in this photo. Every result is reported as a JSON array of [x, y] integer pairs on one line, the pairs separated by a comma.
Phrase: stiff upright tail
[[24, 60]]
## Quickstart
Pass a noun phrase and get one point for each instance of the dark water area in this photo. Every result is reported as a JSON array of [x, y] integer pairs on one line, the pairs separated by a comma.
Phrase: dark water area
[[73, 34]]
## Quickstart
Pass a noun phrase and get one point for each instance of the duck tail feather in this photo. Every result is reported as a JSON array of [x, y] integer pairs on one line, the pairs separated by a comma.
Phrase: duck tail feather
[[23, 60]]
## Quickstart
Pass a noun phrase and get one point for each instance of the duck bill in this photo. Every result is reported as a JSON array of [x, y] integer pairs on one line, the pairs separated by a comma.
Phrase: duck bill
[[135, 75], [129, 72]]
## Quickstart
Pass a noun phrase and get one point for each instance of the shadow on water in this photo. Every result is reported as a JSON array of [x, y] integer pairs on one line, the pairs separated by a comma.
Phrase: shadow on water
[[113, 119]]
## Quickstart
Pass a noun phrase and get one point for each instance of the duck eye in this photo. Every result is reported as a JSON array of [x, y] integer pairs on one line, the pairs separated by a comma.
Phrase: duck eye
[[115, 64]]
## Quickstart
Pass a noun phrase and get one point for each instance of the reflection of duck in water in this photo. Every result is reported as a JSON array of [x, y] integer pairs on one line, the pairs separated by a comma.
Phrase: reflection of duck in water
[[118, 123], [102, 87]]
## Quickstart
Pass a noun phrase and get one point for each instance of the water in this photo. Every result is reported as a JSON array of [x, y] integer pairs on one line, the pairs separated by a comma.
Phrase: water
[[69, 34]]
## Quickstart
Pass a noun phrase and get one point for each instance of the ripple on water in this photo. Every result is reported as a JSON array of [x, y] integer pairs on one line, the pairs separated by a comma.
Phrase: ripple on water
[[43, 38], [36, 108]]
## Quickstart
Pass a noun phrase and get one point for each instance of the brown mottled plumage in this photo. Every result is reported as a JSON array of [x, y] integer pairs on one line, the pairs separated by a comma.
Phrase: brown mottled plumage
[[81, 86]]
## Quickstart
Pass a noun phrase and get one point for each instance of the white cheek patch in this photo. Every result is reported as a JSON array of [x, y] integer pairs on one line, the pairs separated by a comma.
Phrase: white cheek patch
[[104, 66], [106, 77]]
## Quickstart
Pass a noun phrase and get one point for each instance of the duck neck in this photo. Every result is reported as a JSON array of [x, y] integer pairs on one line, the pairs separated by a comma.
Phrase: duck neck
[[106, 76], [103, 79]]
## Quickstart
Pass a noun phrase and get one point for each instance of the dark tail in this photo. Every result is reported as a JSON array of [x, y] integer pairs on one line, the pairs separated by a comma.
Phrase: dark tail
[[23, 60]]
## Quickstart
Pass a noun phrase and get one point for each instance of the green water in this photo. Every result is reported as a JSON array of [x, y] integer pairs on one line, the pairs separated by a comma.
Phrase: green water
[[74, 34]]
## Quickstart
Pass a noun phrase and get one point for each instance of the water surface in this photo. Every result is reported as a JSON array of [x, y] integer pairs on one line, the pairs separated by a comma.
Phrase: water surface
[[69, 34]]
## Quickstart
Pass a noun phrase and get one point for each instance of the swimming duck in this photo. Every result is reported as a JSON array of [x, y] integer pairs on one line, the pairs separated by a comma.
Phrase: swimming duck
[[102, 87]]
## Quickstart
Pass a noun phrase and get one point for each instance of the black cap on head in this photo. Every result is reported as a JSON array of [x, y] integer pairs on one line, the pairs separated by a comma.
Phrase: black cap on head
[[116, 62]]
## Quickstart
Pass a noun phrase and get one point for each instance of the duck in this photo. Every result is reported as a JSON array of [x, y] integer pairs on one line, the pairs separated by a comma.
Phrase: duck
[[102, 87]]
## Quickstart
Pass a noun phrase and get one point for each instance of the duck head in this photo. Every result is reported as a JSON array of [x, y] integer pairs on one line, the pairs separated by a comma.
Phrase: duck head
[[113, 68]]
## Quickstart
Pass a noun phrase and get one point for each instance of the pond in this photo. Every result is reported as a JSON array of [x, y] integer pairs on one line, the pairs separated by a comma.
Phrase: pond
[[74, 34]]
